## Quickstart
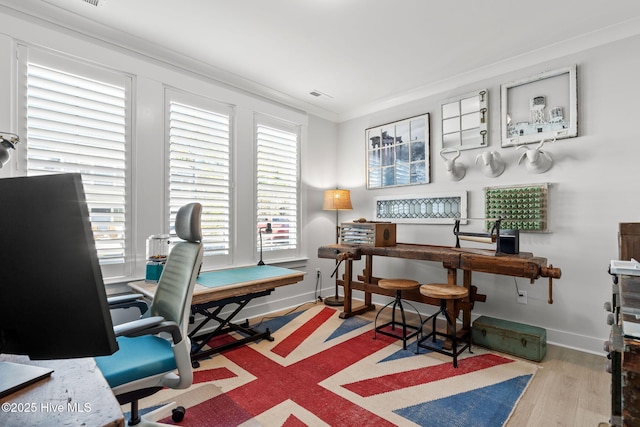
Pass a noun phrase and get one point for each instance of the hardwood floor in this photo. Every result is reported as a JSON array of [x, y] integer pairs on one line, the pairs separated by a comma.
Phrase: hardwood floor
[[571, 388]]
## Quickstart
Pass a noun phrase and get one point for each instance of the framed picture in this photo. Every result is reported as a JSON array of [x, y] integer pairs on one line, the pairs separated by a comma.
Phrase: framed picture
[[544, 106], [398, 153]]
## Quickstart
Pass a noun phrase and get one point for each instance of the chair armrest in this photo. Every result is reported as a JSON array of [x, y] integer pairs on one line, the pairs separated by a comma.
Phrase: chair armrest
[[149, 326], [134, 327], [128, 301], [119, 299]]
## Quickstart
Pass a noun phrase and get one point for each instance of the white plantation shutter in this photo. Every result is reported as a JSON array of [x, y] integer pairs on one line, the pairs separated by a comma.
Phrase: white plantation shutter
[[277, 185], [78, 121], [199, 169]]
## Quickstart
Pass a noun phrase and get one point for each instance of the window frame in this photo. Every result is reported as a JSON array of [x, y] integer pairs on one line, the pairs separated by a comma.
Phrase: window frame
[[214, 106], [85, 69], [274, 254]]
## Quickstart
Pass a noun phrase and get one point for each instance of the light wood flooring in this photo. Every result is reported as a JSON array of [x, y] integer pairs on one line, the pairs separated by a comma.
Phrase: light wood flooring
[[571, 388]]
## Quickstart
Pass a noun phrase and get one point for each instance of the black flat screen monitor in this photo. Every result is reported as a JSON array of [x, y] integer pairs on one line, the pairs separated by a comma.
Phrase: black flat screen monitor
[[53, 302]]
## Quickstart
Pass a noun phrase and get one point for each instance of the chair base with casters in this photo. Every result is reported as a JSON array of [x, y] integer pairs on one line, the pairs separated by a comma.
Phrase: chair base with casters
[[445, 293], [397, 285]]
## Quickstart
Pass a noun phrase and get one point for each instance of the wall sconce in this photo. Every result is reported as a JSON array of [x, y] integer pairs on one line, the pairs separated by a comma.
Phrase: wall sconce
[[267, 230], [338, 200], [5, 145]]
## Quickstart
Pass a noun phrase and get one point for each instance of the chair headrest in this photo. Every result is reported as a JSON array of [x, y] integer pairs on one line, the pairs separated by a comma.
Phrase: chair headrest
[[188, 222]]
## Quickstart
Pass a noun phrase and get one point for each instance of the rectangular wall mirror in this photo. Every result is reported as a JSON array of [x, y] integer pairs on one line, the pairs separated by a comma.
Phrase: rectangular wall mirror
[[465, 121]]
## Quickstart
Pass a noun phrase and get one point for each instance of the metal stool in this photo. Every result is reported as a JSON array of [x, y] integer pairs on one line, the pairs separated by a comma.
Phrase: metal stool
[[444, 293], [398, 285]]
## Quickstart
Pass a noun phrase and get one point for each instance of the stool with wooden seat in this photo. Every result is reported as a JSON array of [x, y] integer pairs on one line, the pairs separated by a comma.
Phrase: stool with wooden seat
[[397, 285], [446, 294]]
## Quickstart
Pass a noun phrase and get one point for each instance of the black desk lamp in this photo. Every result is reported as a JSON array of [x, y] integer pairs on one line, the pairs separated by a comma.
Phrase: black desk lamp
[[7, 141], [338, 200], [267, 230]]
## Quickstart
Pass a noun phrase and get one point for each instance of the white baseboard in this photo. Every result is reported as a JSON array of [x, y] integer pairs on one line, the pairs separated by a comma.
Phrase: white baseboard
[[576, 342]]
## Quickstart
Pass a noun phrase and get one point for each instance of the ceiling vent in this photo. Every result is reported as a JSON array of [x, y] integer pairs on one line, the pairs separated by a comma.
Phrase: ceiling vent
[[93, 2], [318, 94]]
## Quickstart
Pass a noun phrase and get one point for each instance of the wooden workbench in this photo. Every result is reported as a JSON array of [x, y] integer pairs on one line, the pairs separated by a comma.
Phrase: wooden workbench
[[468, 260]]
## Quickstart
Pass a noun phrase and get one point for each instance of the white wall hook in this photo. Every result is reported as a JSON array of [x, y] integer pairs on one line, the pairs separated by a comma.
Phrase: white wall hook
[[492, 163], [538, 161], [455, 171]]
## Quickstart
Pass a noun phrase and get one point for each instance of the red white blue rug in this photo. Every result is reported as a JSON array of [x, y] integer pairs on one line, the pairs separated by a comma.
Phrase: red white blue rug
[[325, 371]]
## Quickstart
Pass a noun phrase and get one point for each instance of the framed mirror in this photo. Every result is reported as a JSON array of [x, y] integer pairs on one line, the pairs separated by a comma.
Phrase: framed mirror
[[544, 106], [465, 121]]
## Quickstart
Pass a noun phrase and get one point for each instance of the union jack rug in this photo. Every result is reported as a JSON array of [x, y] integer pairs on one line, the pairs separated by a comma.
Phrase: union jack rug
[[325, 371]]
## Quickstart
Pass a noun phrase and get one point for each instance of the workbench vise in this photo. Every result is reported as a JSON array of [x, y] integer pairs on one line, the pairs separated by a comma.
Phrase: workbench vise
[[507, 241]]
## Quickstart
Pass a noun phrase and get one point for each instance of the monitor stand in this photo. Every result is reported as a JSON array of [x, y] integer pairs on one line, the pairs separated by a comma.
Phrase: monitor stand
[[15, 376]]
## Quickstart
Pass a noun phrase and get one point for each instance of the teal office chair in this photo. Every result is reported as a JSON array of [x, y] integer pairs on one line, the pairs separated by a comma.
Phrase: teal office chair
[[147, 362]]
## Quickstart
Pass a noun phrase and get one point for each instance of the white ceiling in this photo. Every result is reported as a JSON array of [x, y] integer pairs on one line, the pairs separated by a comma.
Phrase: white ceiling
[[361, 54]]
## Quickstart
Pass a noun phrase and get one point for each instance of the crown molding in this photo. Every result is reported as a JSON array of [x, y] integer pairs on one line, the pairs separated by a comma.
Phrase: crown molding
[[47, 14], [54, 17], [604, 36]]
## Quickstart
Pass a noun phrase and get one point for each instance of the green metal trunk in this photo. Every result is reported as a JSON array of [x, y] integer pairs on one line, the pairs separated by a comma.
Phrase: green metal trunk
[[518, 339]]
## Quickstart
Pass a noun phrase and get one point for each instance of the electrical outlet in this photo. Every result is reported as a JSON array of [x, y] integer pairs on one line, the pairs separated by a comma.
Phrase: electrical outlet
[[317, 272], [522, 297]]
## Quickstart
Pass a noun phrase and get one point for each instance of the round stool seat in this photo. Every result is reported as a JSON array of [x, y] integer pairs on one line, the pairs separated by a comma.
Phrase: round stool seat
[[449, 296], [389, 328], [398, 284], [444, 291]]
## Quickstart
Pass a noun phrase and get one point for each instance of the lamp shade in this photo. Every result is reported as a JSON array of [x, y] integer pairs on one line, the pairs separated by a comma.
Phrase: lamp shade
[[337, 200]]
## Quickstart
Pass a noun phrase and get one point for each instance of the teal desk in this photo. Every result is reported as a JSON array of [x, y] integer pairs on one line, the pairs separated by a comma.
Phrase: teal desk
[[234, 289]]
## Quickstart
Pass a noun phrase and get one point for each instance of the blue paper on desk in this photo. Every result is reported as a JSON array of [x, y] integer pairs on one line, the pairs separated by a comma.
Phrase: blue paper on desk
[[232, 276]]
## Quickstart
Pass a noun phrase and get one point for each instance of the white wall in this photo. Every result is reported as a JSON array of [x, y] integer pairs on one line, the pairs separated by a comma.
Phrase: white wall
[[318, 144], [594, 186], [593, 180]]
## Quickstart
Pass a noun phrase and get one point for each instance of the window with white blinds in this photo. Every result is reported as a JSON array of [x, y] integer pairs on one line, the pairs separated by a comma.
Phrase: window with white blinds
[[199, 166], [277, 185], [79, 121]]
